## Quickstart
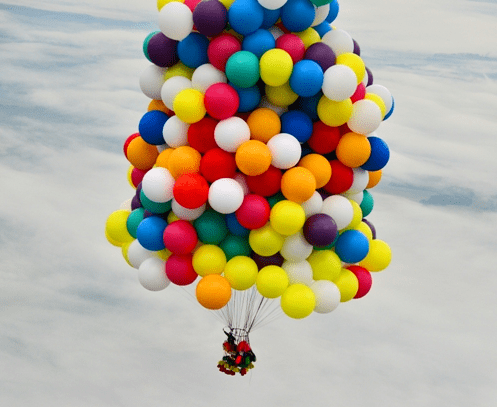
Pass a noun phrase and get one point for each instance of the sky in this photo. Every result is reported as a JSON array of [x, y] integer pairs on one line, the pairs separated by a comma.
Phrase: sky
[[77, 328]]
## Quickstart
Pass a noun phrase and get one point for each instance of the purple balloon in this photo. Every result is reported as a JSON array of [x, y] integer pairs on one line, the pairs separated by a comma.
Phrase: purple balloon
[[324, 194], [322, 54], [370, 76], [135, 203], [210, 17], [320, 230], [263, 261], [357, 49], [371, 226], [162, 50]]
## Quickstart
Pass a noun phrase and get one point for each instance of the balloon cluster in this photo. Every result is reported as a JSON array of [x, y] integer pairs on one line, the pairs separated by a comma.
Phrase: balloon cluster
[[254, 162]]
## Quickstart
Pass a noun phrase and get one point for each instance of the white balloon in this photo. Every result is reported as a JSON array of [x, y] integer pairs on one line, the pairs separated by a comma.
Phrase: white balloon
[[366, 117], [272, 4], [321, 14], [176, 20], [175, 132], [365, 80], [185, 213], [279, 110], [327, 296], [339, 41], [126, 205], [206, 75], [152, 274], [296, 248], [231, 133], [157, 185], [137, 254], [151, 81], [340, 209], [339, 83], [285, 151], [360, 182], [383, 93], [298, 272], [313, 205], [356, 197], [172, 87], [225, 195]]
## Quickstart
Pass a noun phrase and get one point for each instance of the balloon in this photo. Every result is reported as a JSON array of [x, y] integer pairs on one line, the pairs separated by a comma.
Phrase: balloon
[[296, 248], [152, 275], [151, 81], [327, 296], [180, 237], [189, 105], [263, 124], [206, 75], [176, 20], [320, 230], [213, 291], [265, 241], [276, 67], [297, 15], [319, 166], [298, 184], [192, 50], [242, 69], [211, 227], [116, 228], [253, 212], [352, 246], [307, 78], [179, 269], [287, 217], [325, 264], [348, 284], [233, 246], [363, 278], [259, 42], [175, 132], [285, 151], [217, 163], [241, 272], [208, 259], [157, 185], [137, 254], [253, 157], [272, 281], [245, 16], [298, 301], [210, 17], [225, 195], [298, 272], [378, 257], [231, 133]]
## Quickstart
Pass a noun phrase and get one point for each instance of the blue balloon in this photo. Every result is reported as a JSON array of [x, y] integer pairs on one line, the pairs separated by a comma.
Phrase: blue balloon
[[352, 246], [323, 28], [151, 125], [298, 15], [307, 78], [298, 124], [333, 13], [234, 226], [259, 42], [192, 51], [309, 105], [270, 17], [246, 16], [391, 110], [380, 154], [249, 97], [150, 233]]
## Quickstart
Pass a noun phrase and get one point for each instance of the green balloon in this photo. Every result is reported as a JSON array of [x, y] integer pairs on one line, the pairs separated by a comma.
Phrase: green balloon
[[242, 69], [235, 246], [154, 207], [274, 199], [211, 227], [367, 203], [134, 220]]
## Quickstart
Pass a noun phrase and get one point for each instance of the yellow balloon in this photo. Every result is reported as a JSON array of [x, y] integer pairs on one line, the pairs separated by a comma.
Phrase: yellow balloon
[[276, 67], [241, 272], [179, 69], [379, 256], [265, 241], [209, 259], [124, 249], [357, 216], [365, 229], [379, 101], [128, 175], [189, 106], [298, 301], [354, 62], [171, 217], [287, 217], [348, 285], [162, 3], [163, 254], [112, 241], [227, 3], [116, 229], [281, 95], [272, 281], [326, 265], [308, 37], [334, 113]]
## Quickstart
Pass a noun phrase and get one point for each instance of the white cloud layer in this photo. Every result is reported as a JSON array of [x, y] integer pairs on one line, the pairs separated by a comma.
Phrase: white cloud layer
[[76, 327]]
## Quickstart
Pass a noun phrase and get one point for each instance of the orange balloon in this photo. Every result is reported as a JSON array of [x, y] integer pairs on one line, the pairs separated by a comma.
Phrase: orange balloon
[[353, 149], [298, 184], [163, 158], [253, 157], [213, 291], [319, 166], [183, 160], [264, 123], [141, 154], [159, 105], [374, 178]]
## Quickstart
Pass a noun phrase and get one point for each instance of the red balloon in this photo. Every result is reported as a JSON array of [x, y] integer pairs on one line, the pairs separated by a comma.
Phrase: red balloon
[[324, 138], [359, 93], [137, 176], [180, 237], [126, 143], [341, 178], [221, 101], [266, 184], [191, 190], [192, 4], [364, 278], [201, 135], [254, 212], [293, 45], [179, 269], [216, 164], [221, 48]]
